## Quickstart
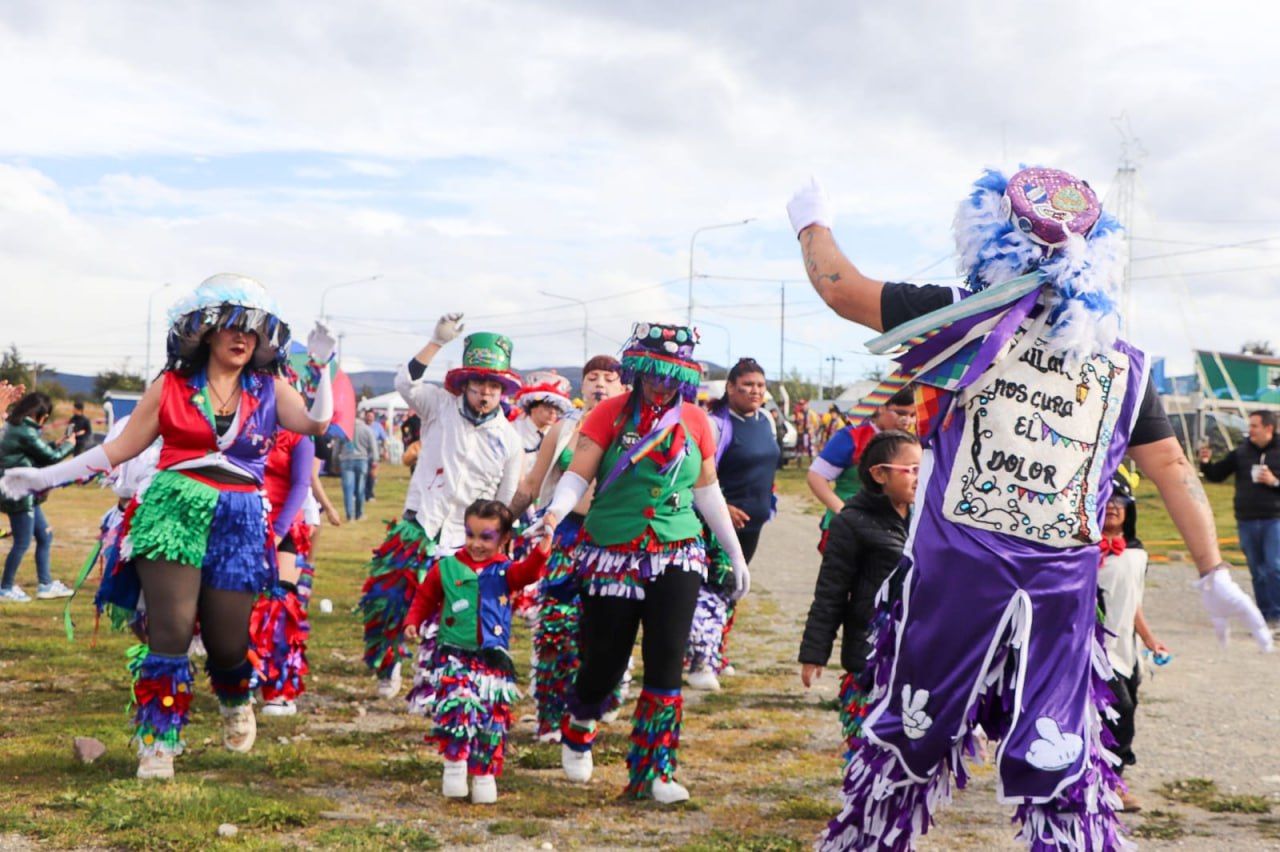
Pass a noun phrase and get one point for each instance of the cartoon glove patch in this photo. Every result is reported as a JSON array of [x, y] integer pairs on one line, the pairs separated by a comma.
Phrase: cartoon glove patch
[[1054, 749], [915, 722]]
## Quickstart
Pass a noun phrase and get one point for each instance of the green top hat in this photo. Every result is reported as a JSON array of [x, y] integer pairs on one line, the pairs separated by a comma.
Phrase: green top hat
[[485, 356]]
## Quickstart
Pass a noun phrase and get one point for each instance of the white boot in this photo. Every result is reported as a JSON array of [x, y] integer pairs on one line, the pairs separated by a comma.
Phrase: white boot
[[454, 785], [704, 678], [484, 790], [390, 687], [669, 792], [577, 764], [239, 727], [155, 767]]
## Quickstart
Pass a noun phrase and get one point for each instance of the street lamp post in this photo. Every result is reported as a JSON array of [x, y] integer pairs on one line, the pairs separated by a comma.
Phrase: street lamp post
[[325, 292], [585, 321], [146, 367], [689, 313]]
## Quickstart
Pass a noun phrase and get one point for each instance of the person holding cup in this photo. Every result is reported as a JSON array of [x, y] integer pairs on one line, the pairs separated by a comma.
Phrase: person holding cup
[[1256, 465]]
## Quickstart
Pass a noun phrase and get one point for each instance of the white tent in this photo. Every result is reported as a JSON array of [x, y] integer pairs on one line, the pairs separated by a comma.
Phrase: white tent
[[388, 403]]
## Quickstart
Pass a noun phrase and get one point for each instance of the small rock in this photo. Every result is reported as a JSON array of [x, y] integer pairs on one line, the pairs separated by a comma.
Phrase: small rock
[[360, 711], [227, 830], [282, 740], [88, 749], [546, 844]]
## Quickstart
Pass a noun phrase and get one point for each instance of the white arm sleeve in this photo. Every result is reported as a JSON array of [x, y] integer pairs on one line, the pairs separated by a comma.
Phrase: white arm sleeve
[[569, 491], [321, 410], [710, 503]]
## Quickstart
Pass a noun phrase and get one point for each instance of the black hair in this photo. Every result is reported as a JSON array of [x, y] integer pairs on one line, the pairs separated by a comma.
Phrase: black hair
[[490, 510], [78, 405], [744, 367], [880, 450], [34, 405], [906, 396], [1267, 417]]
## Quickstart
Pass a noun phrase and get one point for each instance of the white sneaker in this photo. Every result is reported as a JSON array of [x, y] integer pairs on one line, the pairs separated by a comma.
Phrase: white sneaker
[[484, 790], [454, 784], [704, 679], [669, 792], [549, 737], [279, 707], [155, 767], [577, 765], [728, 671], [53, 590], [610, 717], [239, 727], [14, 594], [390, 687]]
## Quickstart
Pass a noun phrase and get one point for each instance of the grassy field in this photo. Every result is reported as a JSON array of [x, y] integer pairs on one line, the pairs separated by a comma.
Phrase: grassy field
[[352, 772]]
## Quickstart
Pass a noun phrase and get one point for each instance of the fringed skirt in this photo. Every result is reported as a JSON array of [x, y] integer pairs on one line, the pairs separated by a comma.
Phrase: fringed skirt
[[221, 528]]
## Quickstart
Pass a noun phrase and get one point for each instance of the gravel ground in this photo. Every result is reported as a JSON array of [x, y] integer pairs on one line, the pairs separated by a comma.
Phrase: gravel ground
[[1211, 713]]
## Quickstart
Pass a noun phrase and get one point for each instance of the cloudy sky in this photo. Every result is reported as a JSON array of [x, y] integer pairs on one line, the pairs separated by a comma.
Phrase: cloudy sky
[[476, 156]]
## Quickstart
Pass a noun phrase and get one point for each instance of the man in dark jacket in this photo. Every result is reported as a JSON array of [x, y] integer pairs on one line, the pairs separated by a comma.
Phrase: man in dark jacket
[[1256, 465]]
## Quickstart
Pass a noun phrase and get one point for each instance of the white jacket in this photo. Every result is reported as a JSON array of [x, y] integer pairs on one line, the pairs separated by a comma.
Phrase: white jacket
[[458, 462]]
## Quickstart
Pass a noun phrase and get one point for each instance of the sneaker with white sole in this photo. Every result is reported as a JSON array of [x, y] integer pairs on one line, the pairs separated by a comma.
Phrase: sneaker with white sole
[[53, 590], [484, 790], [279, 707], [728, 671], [454, 784], [389, 687], [549, 737], [14, 594], [577, 765], [155, 767], [705, 679], [669, 792], [239, 727]]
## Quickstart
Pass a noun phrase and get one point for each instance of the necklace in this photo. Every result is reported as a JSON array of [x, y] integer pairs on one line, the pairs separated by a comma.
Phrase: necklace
[[225, 405]]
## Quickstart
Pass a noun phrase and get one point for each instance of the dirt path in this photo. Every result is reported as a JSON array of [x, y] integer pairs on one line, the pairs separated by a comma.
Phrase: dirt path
[[1212, 713]]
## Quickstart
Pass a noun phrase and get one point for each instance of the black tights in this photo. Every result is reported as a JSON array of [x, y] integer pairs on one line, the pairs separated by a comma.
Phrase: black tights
[[174, 597], [608, 628]]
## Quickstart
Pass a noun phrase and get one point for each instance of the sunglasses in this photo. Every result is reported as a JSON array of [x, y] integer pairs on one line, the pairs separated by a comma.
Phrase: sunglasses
[[913, 469]]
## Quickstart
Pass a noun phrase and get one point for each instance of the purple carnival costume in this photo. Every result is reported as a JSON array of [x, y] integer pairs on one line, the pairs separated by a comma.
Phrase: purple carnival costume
[[997, 625]]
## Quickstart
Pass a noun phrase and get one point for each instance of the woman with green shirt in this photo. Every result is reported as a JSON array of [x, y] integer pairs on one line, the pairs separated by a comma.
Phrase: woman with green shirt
[[640, 553]]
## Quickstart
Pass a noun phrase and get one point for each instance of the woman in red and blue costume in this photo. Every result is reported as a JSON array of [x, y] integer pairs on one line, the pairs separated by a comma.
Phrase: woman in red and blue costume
[[641, 553], [199, 535], [278, 626]]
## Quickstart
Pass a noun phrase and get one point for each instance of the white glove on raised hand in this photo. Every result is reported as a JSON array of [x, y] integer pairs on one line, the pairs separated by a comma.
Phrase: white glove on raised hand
[[449, 327], [1222, 599], [321, 343], [809, 207], [741, 578], [18, 482]]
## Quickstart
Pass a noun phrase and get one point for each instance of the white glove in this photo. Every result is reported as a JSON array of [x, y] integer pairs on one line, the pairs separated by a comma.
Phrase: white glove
[[808, 207], [569, 490], [321, 343], [710, 503], [449, 327], [1222, 598], [18, 482]]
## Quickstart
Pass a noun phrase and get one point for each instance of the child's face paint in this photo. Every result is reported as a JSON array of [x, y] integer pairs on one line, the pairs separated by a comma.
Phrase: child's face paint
[[484, 538]]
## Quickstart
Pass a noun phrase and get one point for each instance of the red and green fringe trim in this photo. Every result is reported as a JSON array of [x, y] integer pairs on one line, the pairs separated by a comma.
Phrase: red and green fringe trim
[[655, 740], [577, 734], [397, 568], [555, 645], [161, 700], [472, 713], [855, 703]]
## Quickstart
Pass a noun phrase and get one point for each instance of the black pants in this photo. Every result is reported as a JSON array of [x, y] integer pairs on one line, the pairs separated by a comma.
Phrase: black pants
[[1125, 689], [607, 633], [175, 597], [748, 540]]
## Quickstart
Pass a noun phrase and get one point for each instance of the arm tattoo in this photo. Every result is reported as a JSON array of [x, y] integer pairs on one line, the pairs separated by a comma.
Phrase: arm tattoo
[[811, 264], [1191, 482]]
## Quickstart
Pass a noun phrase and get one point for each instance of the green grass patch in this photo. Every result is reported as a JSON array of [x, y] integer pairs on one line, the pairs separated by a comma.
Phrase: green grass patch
[[808, 809], [726, 841], [375, 838], [526, 828], [1204, 793], [1159, 825]]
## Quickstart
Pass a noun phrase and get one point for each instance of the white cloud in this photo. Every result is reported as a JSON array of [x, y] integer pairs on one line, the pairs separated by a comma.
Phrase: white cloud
[[476, 153]]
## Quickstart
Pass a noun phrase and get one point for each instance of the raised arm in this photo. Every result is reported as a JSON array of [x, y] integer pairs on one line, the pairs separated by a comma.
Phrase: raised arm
[[532, 481], [846, 291]]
